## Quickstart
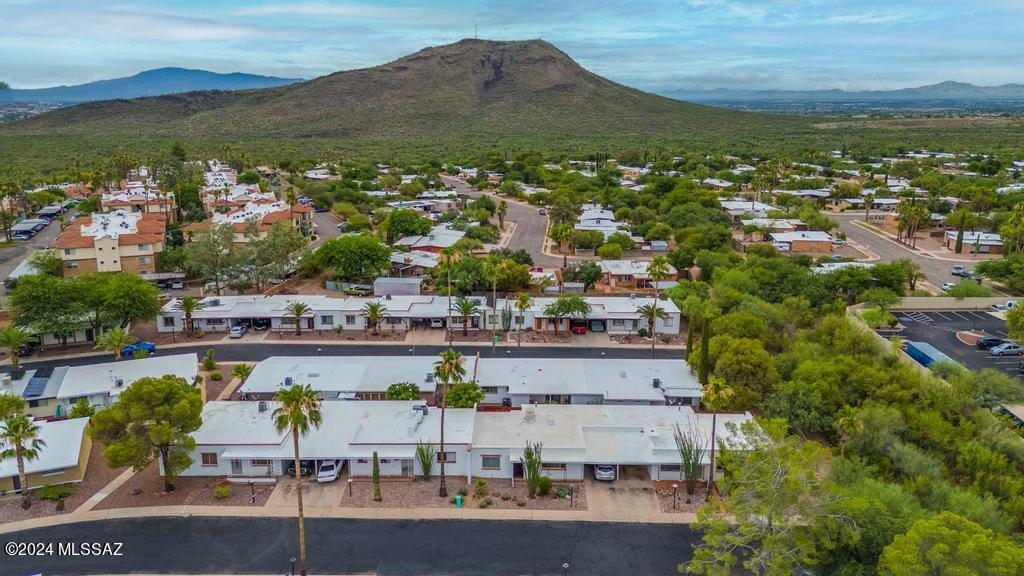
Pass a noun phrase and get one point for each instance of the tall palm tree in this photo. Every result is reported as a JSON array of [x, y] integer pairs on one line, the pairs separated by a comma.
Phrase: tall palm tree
[[501, 212], [493, 269], [652, 313], [715, 396], [292, 199], [657, 271], [448, 369], [297, 310], [115, 340], [189, 305], [523, 303], [374, 312], [447, 260], [12, 338], [21, 436], [466, 307], [298, 410]]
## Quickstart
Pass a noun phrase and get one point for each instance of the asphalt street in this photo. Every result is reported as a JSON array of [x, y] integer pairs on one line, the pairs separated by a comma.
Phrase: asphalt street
[[219, 545], [11, 257], [264, 350], [531, 226], [938, 271]]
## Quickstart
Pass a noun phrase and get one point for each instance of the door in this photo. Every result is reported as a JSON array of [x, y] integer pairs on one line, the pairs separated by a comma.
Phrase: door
[[17, 483], [236, 467], [407, 467]]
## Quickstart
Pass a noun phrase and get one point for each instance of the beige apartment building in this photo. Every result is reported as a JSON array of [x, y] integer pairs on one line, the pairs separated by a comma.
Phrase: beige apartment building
[[118, 241]]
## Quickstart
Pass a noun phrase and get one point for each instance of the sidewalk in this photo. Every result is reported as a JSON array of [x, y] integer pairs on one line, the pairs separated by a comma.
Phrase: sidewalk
[[354, 513], [919, 251]]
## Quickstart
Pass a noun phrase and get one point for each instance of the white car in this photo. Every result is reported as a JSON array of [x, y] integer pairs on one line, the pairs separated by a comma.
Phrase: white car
[[329, 471], [436, 323], [177, 285], [605, 472], [947, 285], [1008, 349], [238, 331]]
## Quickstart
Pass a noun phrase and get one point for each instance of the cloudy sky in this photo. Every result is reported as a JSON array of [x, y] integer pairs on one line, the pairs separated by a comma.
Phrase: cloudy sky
[[657, 45]]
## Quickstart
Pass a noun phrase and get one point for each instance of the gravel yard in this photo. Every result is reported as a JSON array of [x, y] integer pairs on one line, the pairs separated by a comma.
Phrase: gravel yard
[[97, 475], [423, 494], [664, 490], [190, 490]]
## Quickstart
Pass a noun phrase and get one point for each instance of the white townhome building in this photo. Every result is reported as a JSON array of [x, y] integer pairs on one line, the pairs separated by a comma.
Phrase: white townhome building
[[238, 440], [618, 315]]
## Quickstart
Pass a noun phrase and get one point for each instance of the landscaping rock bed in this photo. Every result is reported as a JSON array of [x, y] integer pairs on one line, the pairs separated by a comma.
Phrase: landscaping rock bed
[[148, 488], [423, 494]]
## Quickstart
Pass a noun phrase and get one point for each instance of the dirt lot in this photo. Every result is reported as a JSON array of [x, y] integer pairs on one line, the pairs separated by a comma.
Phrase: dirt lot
[[423, 494], [192, 490], [97, 475]]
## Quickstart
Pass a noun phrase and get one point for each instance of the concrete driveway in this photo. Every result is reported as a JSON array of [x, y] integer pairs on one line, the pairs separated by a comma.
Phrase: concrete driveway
[[313, 494], [631, 493]]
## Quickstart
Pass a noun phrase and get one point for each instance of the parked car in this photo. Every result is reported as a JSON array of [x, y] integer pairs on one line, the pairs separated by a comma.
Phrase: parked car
[[605, 472], [161, 284], [971, 276], [21, 236], [958, 269], [838, 241], [1007, 349], [437, 323], [1003, 307], [329, 471], [305, 468], [238, 331], [989, 342], [579, 329], [130, 350], [26, 348], [261, 325], [946, 286], [597, 326], [542, 211], [1020, 366], [358, 290], [178, 285]]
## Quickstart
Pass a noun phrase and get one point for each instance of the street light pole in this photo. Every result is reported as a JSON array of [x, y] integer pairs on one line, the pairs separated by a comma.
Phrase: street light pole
[[565, 569]]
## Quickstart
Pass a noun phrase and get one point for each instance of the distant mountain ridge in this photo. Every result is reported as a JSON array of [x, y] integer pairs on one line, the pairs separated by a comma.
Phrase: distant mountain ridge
[[157, 82], [942, 91]]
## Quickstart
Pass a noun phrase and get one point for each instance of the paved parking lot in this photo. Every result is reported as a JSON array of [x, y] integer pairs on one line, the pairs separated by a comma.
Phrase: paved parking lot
[[939, 329]]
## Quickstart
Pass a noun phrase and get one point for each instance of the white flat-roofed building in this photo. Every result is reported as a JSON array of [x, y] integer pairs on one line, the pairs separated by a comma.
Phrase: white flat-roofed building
[[619, 315], [220, 313], [239, 440], [813, 241], [101, 384], [439, 238], [977, 241], [61, 460], [598, 219], [738, 208], [505, 381], [575, 437]]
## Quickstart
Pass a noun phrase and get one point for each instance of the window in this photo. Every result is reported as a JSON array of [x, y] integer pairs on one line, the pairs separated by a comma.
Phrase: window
[[260, 462], [53, 473], [362, 461], [145, 260], [670, 468], [552, 466], [489, 389], [209, 458], [490, 462], [215, 320], [143, 246], [668, 322], [373, 395], [327, 320], [33, 403], [350, 319], [69, 251], [385, 461], [236, 466], [168, 320], [72, 265], [446, 457], [618, 322]]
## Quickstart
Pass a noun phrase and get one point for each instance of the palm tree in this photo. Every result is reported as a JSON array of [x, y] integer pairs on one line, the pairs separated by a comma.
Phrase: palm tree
[[189, 305], [447, 259], [115, 340], [652, 313], [297, 310], [657, 271], [13, 338], [21, 436], [447, 369], [292, 199], [523, 303], [493, 269], [299, 409], [715, 396], [374, 312], [466, 307], [501, 212], [242, 371], [869, 199]]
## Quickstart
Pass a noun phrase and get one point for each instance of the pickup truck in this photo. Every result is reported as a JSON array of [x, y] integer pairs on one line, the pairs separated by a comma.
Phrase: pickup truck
[[1010, 304]]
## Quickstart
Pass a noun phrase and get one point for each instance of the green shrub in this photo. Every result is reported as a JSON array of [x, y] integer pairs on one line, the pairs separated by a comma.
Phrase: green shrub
[[216, 376], [222, 492], [610, 252], [54, 492], [543, 486], [641, 332], [506, 497], [463, 491], [209, 362], [520, 503], [480, 487], [484, 504], [563, 491], [876, 318]]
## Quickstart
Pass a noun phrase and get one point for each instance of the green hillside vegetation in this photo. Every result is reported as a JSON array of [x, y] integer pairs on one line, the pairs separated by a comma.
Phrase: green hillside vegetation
[[445, 100]]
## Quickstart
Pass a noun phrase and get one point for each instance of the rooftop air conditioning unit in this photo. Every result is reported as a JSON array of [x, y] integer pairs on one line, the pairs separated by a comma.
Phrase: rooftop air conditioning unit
[[119, 382], [288, 381], [262, 406], [657, 382]]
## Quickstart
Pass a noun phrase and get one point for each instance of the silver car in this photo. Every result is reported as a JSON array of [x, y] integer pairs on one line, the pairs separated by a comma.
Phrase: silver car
[[1008, 349], [605, 472]]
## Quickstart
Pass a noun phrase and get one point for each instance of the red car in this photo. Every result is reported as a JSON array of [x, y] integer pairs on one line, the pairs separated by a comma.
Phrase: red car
[[579, 329]]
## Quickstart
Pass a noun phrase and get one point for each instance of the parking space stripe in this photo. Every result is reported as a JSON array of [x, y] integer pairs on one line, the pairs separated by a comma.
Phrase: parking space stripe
[[940, 314], [958, 315]]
